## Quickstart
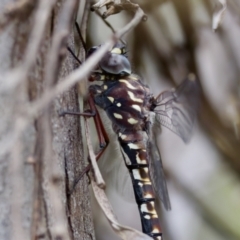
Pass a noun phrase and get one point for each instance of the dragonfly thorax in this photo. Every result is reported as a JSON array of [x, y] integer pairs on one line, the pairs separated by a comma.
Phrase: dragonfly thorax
[[126, 101]]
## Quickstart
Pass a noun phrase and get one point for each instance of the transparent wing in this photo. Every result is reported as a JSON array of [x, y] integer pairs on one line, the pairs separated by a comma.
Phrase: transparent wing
[[124, 182], [177, 109], [156, 168]]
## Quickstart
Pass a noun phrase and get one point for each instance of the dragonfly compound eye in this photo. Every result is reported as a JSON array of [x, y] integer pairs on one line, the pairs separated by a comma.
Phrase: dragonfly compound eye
[[115, 64]]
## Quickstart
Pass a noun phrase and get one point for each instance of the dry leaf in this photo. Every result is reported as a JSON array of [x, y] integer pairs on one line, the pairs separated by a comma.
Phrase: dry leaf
[[122, 231], [218, 15]]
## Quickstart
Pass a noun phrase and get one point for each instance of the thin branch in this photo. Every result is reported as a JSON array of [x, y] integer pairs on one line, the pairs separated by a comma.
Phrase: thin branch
[[105, 21], [84, 71], [59, 229], [85, 18], [7, 143], [19, 74], [17, 10], [59, 41], [98, 177], [218, 15], [15, 172]]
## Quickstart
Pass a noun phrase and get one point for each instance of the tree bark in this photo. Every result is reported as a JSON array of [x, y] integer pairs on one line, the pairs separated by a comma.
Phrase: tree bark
[[40, 156]]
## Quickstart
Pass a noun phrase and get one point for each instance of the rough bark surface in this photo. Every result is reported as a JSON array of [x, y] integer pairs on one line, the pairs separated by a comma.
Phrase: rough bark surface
[[40, 156]]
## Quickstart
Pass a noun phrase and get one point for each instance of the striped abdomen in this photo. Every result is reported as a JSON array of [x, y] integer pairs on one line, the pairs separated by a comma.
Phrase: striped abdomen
[[136, 162]]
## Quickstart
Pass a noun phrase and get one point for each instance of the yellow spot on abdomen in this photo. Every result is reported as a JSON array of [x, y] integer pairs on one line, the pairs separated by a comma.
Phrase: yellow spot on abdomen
[[143, 161], [141, 174], [140, 184], [156, 230], [149, 195]]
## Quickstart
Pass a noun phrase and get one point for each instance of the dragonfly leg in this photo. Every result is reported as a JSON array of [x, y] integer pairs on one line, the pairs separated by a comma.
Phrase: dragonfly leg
[[87, 113], [101, 132]]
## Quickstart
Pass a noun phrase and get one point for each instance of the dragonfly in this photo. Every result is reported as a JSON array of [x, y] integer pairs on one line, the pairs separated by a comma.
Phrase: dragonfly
[[135, 113]]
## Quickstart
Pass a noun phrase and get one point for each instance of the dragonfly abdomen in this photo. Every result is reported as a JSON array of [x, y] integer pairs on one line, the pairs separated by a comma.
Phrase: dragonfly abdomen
[[136, 161]]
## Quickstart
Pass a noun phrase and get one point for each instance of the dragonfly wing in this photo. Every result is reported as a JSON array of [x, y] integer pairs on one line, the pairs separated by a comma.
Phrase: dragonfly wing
[[156, 169], [176, 109]]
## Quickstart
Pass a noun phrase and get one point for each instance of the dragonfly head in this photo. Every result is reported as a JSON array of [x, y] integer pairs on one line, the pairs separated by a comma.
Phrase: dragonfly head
[[115, 61]]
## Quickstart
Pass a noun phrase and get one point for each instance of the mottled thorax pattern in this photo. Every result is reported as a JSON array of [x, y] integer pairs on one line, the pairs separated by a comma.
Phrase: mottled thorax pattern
[[126, 101]]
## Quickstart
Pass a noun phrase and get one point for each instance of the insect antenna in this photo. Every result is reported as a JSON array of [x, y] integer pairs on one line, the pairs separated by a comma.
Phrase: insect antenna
[[81, 37], [73, 54], [83, 44]]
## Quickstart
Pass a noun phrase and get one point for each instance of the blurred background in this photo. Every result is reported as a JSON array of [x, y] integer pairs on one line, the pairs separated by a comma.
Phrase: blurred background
[[203, 176]]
